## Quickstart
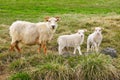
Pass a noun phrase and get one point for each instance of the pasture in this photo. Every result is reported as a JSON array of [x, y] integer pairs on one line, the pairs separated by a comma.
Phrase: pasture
[[74, 15]]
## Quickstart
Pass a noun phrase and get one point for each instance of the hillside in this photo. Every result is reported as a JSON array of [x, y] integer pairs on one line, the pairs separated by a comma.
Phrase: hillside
[[77, 14]]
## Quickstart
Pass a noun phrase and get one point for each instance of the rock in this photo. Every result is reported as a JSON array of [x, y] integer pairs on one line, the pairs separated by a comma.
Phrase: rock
[[109, 51]]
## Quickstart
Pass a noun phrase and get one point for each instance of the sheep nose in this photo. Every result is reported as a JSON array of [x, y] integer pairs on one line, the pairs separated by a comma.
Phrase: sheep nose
[[81, 35], [98, 33], [53, 26]]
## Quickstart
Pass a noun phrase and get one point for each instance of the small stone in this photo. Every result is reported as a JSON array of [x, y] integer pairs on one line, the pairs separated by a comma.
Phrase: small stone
[[109, 51]]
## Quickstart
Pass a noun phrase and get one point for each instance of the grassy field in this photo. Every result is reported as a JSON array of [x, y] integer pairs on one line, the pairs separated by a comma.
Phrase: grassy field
[[35, 10], [76, 14]]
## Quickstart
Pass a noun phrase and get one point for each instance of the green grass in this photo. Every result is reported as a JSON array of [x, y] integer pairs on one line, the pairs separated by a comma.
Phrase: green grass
[[20, 76], [76, 14], [35, 10], [95, 67], [90, 67]]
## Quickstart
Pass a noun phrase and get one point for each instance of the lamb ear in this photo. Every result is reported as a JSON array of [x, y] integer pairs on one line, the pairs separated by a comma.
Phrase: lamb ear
[[46, 18], [77, 30], [102, 28], [85, 30], [58, 18], [92, 28]]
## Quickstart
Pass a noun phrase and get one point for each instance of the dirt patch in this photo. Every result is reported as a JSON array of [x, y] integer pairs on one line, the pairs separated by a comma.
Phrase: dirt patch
[[4, 76]]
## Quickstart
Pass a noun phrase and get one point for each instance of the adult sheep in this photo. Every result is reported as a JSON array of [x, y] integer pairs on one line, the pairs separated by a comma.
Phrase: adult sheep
[[32, 33]]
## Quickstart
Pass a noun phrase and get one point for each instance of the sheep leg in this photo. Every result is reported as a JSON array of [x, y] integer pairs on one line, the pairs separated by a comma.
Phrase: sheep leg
[[88, 47], [74, 50], [44, 47], [98, 45], [96, 48], [60, 49], [17, 47], [92, 48], [39, 48], [12, 46], [79, 50]]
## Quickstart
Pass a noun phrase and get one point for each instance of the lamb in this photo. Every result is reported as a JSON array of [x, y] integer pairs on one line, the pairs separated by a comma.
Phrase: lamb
[[32, 33], [94, 40], [73, 40]]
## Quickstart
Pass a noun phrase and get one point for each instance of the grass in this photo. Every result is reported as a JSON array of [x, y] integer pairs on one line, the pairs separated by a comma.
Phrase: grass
[[52, 71], [90, 67], [34, 10], [20, 76], [96, 67], [69, 24], [77, 14]]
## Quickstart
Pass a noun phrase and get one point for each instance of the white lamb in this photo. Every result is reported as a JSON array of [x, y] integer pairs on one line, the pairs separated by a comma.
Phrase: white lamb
[[74, 40], [94, 40], [32, 33]]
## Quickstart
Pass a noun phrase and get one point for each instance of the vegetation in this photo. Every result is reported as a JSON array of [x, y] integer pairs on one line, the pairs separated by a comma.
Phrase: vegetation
[[20, 76], [90, 67], [35, 10], [76, 14]]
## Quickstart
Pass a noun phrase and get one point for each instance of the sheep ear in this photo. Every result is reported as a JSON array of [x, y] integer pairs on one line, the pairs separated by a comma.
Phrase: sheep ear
[[77, 31], [58, 18], [102, 28], [46, 18], [92, 28], [85, 30]]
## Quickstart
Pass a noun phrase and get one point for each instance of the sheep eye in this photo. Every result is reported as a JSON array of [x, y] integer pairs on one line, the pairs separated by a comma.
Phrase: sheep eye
[[48, 21]]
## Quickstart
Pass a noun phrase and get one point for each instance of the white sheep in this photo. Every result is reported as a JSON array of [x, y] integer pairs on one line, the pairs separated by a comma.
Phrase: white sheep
[[94, 40], [73, 40], [32, 33]]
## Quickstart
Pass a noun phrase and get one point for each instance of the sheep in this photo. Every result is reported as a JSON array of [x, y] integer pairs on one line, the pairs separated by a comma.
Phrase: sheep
[[32, 33], [94, 40], [73, 40]]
